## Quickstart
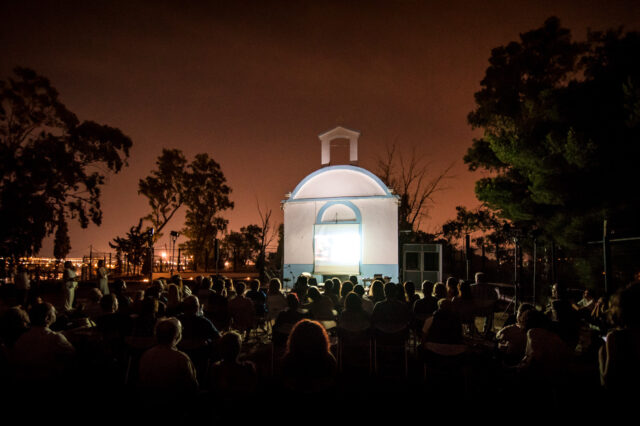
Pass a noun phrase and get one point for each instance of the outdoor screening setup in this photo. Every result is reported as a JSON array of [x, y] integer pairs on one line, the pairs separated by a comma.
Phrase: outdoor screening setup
[[341, 220]]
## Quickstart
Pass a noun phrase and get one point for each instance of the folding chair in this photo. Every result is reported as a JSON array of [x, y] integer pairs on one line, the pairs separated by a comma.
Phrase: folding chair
[[391, 340], [351, 345]]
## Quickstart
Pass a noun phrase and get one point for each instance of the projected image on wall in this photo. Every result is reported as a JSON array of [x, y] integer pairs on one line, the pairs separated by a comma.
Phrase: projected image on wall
[[337, 249]]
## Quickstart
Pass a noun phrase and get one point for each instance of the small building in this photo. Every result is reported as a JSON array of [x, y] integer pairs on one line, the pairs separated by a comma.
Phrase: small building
[[341, 220]]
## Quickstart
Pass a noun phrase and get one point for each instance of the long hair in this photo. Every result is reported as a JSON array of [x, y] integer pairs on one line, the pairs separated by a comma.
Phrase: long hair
[[308, 339], [274, 286], [173, 295], [352, 303], [376, 291]]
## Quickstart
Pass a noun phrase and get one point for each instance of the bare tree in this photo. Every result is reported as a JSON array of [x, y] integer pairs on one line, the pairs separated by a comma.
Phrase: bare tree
[[265, 237], [411, 180]]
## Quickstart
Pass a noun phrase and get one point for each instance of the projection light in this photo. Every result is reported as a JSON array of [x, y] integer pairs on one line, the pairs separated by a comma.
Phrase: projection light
[[337, 249]]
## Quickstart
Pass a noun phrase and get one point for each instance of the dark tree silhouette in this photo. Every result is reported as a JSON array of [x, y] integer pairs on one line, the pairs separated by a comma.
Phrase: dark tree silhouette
[[201, 187], [206, 197], [52, 165], [561, 129], [165, 188], [135, 245]]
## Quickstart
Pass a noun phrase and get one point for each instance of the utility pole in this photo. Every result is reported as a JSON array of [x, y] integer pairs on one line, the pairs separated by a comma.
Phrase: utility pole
[[174, 236], [553, 263], [606, 251], [150, 236], [535, 262], [516, 273], [216, 254], [467, 254]]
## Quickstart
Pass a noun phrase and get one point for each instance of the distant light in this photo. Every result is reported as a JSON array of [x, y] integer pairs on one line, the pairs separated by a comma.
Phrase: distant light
[[145, 280]]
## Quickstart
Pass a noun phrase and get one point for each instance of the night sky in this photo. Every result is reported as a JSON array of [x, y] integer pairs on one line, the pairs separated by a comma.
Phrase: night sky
[[253, 83]]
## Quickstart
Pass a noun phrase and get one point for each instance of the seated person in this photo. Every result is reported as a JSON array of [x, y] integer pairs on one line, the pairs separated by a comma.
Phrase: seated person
[[124, 302], [328, 291], [620, 356], [276, 301], [231, 377], [217, 307], [258, 297], [229, 288], [112, 323], [390, 314], [321, 306], [300, 288], [143, 324], [353, 317], [512, 339], [439, 292], [426, 306], [40, 354], [585, 306], [286, 320], [599, 316], [442, 333], [586, 302], [367, 304], [464, 305], [174, 298], [346, 288], [308, 365], [565, 321], [155, 292], [547, 356], [92, 307], [241, 309], [197, 330], [485, 298], [204, 290], [410, 292], [376, 292], [13, 323], [113, 327], [452, 287], [163, 368]]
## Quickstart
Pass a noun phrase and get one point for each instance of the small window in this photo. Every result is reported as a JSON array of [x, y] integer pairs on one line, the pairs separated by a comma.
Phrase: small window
[[412, 261], [431, 261]]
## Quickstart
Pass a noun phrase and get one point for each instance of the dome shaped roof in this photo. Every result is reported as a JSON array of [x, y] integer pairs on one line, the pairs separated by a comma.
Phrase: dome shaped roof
[[340, 181]]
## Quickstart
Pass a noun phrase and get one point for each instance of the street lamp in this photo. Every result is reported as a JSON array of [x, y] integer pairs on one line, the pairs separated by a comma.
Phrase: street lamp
[[174, 236], [150, 234]]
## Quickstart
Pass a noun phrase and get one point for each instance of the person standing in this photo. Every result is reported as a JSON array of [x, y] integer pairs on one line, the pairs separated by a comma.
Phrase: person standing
[[70, 285], [485, 299], [103, 278], [23, 285]]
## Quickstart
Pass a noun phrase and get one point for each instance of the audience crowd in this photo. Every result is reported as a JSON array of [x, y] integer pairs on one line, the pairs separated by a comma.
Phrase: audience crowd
[[180, 345]]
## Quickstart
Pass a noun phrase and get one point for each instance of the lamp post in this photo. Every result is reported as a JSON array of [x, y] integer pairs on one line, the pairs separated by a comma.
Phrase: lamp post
[[150, 233], [174, 236], [516, 272]]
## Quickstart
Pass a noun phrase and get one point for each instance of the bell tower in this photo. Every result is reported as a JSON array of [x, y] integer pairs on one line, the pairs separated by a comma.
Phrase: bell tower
[[339, 133]]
